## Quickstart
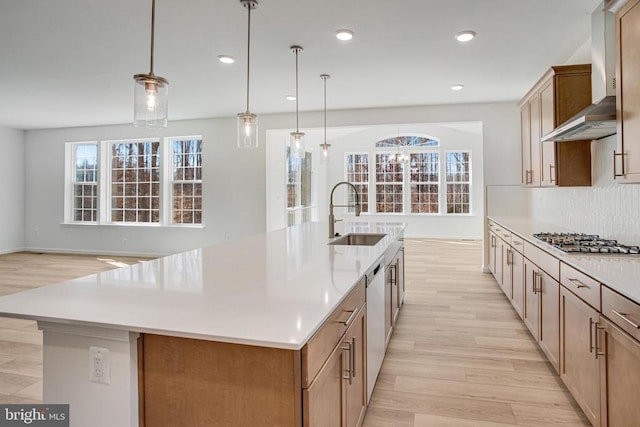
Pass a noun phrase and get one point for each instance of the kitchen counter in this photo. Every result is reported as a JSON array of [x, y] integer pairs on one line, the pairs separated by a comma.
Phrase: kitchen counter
[[618, 272], [273, 289]]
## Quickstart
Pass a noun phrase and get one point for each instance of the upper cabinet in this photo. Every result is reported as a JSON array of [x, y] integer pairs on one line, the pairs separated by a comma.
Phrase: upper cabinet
[[560, 94], [626, 159]]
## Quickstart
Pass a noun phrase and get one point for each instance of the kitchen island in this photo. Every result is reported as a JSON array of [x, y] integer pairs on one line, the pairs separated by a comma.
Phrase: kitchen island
[[270, 293]]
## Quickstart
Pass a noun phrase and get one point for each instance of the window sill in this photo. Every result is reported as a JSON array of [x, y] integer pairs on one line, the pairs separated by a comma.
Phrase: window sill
[[108, 225]]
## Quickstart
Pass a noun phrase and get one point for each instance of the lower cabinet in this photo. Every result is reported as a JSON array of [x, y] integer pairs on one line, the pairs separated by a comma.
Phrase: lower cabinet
[[493, 244], [579, 365], [517, 281], [507, 271], [338, 395], [619, 373], [401, 284], [388, 312]]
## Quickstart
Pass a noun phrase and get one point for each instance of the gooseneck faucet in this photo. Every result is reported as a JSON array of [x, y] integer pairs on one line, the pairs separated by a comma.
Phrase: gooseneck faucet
[[332, 220]]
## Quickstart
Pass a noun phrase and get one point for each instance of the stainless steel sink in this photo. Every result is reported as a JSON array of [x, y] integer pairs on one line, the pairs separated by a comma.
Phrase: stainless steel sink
[[358, 239]]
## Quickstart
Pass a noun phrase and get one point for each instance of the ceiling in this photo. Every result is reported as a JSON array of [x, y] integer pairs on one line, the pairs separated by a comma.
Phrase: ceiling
[[68, 63]]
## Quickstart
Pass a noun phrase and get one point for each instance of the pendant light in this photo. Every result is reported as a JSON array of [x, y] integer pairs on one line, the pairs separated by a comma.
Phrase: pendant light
[[296, 140], [151, 95], [248, 122], [324, 159]]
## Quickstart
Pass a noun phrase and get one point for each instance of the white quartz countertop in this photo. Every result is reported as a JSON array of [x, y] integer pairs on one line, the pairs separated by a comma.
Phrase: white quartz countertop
[[618, 272], [273, 289]]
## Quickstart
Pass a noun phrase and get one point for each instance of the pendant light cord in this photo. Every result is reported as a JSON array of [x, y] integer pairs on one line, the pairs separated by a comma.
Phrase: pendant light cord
[[325, 109], [248, 49], [153, 28], [297, 118]]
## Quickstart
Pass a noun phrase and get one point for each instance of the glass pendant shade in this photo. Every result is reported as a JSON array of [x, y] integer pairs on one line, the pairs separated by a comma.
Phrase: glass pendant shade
[[151, 101], [247, 131], [325, 155], [297, 144]]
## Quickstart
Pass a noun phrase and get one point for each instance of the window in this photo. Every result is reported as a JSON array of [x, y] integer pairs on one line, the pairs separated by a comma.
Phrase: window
[[135, 181], [425, 182], [458, 180], [358, 174], [413, 174], [144, 181], [389, 184], [299, 184], [85, 182], [186, 185]]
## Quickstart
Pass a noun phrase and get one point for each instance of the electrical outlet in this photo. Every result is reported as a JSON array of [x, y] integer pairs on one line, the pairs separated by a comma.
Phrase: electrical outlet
[[99, 365]]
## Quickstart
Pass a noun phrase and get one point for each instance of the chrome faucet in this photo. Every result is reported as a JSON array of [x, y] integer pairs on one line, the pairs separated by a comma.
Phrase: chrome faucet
[[332, 219]]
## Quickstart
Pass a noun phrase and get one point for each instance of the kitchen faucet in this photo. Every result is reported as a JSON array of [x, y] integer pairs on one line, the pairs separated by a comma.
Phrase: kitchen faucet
[[332, 220]]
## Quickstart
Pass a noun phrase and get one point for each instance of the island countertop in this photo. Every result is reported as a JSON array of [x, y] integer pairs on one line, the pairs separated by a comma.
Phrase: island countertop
[[273, 289]]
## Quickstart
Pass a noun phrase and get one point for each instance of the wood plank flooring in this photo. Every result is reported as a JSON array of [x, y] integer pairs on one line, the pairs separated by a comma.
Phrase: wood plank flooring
[[459, 357], [20, 340]]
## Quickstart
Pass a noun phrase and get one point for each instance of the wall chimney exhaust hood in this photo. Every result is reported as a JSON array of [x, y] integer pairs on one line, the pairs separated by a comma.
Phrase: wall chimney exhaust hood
[[599, 119]]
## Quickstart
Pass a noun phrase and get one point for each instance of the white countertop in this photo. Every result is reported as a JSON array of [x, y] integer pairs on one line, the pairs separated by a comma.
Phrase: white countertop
[[272, 289], [618, 272]]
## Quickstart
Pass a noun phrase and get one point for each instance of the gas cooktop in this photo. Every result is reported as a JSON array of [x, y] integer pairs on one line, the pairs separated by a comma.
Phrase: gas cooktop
[[586, 244]]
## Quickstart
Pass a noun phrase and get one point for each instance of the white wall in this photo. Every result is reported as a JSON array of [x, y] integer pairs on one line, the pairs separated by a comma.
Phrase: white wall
[[607, 208], [12, 190], [498, 146], [233, 192], [234, 181]]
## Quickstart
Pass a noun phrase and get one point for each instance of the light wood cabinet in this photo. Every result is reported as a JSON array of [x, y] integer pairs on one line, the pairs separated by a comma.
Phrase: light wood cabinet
[[560, 94], [355, 379], [531, 315], [493, 254], [579, 365], [627, 157], [507, 277], [517, 282], [619, 374]]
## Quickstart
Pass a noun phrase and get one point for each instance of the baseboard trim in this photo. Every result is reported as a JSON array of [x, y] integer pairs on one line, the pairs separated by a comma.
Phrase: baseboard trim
[[486, 270], [11, 251], [72, 251]]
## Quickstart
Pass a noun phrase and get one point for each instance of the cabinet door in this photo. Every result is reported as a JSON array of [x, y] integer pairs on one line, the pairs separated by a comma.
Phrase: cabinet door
[[388, 314], [549, 340], [534, 105], [356, 386], [531, 315], [507, 272], [517, 282], [499, 261], [547, 124], [324, 401], [619, 373], [578, 356], [628, 92], [395, 292], [401, 284], [525, 142], [493, 244]]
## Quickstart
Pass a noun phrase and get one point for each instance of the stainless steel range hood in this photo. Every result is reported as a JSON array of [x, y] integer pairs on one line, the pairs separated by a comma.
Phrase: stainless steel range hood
[[599, 119]]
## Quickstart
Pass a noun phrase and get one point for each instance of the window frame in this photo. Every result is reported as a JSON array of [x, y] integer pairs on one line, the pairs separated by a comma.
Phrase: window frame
[[70, 181], [469, 182], [359, 183], [166, 168]]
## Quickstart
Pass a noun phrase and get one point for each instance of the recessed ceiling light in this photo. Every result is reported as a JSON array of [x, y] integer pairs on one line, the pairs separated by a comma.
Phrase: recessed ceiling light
[[226, 59], [457, 87], [465, 36], [290, 98], [344, 35]]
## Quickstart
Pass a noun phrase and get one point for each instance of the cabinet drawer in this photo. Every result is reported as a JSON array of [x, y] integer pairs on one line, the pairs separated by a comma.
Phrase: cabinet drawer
[[517, 243], [492, 225], [506, 235], [580, 284], [322, 343], [548, 263], [621, 311]]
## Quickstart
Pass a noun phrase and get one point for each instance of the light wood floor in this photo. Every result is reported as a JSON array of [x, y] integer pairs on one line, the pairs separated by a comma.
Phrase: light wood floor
[[459, 357], [20, 341]]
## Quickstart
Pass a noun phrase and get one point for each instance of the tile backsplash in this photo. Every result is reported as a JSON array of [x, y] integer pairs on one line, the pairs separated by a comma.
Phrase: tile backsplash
[[607, 208]]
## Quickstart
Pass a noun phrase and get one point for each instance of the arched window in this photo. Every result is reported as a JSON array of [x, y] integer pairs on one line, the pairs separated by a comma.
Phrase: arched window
[[408, 141]]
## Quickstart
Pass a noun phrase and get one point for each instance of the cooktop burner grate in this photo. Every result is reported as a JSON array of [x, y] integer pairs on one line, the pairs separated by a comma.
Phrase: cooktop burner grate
[[586, 244]]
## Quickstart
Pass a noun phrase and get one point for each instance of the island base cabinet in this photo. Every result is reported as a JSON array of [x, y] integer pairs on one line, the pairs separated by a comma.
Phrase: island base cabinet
[[579, 365], [619, 373], [195, 383]]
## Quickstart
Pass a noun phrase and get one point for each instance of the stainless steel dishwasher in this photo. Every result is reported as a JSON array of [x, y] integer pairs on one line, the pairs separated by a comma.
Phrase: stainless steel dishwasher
[[375, 323]]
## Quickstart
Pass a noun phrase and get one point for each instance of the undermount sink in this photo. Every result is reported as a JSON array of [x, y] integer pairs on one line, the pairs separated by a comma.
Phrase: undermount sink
[[358, 239]]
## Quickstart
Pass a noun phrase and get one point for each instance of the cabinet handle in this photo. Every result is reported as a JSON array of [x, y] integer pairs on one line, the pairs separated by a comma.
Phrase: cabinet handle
[[624, 317], [347, 347], [528, 173], [621, 155], [347, 322], [517, 243], [551, 174], [353, 358], [578, 284], [393, 275], [590, 335], [598, 328], [537, 280], [493, 241], [506, 235]]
